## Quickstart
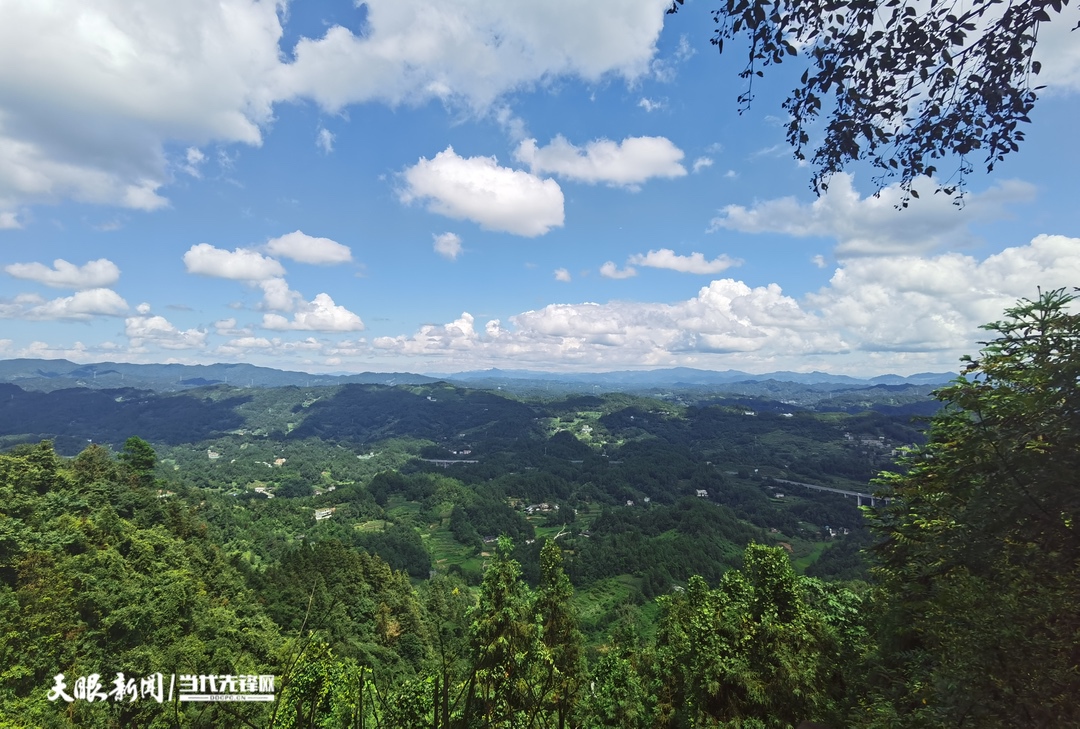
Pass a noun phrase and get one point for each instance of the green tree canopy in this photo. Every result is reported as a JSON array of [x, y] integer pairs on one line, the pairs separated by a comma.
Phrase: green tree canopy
[[980, 559], [139, 458], [760, 650]]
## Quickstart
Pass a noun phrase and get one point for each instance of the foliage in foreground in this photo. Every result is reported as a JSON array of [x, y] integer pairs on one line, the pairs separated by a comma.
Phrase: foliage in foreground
[[980, 558]]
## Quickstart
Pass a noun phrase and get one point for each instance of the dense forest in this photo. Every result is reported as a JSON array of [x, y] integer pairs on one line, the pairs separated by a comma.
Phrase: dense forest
[[433, 556]]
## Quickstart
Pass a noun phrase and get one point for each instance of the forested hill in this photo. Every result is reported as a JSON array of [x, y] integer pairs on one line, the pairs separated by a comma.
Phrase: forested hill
[[367, 413], [361, 413]]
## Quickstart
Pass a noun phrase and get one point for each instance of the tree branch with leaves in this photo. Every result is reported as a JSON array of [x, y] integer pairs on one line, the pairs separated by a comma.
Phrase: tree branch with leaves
[[905, 85]]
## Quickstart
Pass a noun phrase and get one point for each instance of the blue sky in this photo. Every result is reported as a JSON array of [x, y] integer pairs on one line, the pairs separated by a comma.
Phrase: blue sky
[[437, 185]]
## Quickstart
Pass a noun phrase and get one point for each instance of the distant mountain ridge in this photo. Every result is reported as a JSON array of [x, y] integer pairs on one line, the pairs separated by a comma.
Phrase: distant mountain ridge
[[48, 375], [691, 376], [55, 374]]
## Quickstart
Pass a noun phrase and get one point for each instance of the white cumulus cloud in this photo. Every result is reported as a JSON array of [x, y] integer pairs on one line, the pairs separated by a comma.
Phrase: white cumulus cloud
[[479, 189], [610, 270], [873, 225], [64, 275], [905, 313], [277, 296], [304, 248], [81, 305], [324, 140], [159, 331], [561, 274], [472, 52], [93, 91], [725, 318], [459, 335], [694, 263], [916, 304], [93, 94], [448, 245], [193, 160], [250, 343], [229, 328], [319, 315], [76, 352], [241, 264], [275, 347], [625, 164]]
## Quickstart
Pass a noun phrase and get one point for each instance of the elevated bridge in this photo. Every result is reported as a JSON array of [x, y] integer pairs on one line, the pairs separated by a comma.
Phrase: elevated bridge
[[859, 495]]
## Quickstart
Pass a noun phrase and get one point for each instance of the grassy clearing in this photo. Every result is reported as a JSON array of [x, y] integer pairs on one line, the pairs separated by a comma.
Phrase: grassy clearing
[[550, 532], [446, 551], [803, 561], [403, 511], [596, 604], [375, 525]]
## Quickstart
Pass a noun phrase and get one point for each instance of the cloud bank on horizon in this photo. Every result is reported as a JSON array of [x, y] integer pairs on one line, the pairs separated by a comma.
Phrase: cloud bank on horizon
[[469, 184]]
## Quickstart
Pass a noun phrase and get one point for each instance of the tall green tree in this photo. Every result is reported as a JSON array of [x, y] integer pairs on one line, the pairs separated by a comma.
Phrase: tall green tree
[[320, 691], [93, 465], [139, 459], [560, 638], [617, 693], [503, 643], [446, 601], [980, 552], [527, 648], [753, 653]]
